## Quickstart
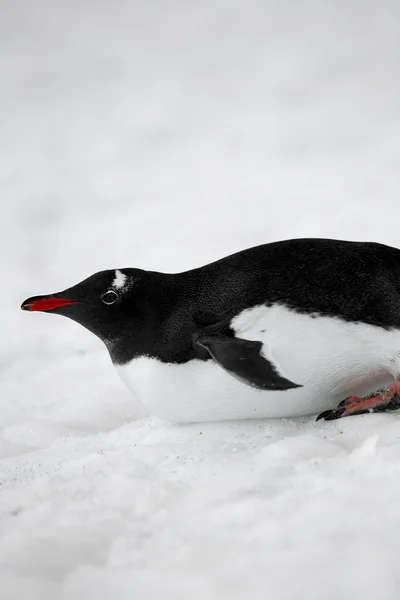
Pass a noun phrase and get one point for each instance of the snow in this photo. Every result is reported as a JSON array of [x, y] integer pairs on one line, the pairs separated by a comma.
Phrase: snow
[[162, 136]]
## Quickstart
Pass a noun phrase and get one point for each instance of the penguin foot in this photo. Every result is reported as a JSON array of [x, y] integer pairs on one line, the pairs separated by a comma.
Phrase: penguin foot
[[379, 401]]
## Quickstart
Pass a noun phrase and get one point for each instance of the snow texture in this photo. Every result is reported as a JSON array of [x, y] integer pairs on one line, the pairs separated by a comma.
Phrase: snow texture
[[163, 135]]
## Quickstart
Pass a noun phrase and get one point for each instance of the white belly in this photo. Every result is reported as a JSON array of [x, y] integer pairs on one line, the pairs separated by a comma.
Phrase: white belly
[[330, 358]]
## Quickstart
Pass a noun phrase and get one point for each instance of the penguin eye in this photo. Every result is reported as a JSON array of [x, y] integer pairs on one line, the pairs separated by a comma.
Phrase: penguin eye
[[109, 297]]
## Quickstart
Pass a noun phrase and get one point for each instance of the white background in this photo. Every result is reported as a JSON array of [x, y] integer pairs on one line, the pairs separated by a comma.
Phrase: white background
[[163, 135]]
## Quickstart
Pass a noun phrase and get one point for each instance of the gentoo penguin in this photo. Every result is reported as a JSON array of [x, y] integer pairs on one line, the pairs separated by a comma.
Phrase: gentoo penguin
[[284, 329]]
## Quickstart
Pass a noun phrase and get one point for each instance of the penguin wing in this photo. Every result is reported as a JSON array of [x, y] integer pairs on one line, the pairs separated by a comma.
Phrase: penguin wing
[[243, 359]]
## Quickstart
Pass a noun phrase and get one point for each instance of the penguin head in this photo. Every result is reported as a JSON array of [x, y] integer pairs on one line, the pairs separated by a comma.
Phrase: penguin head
[[105, 303]]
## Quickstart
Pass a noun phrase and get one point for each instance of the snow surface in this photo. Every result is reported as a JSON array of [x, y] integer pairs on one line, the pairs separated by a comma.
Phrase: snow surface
[[163, 135]]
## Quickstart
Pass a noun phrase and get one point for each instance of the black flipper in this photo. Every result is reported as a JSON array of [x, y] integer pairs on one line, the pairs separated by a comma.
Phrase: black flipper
[[243, 359]]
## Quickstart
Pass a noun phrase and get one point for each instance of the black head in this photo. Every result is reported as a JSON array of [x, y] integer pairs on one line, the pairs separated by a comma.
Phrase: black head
[[105, 303], [135, 312]]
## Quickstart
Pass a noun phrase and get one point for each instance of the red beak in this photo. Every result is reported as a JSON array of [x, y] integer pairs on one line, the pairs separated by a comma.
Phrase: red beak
[[46, 303]]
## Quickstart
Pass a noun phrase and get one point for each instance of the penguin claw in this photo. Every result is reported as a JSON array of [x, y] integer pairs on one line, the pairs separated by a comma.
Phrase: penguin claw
[[378, 401], [331, 415]]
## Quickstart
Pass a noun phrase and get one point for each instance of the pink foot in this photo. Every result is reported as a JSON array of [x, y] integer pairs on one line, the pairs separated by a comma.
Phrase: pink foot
[[379, 401]]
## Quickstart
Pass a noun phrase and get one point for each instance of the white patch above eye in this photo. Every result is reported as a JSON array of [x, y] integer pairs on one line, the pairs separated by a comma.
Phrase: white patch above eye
[[119, 281]]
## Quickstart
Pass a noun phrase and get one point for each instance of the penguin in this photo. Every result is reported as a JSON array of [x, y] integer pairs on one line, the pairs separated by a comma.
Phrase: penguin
[[285, 329]]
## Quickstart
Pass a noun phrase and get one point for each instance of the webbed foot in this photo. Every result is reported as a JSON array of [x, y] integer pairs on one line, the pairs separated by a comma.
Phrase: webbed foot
[[379, 401]]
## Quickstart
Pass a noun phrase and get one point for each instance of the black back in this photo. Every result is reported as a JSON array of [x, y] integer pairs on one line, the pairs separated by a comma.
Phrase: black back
[[355, 281], [158, 314]]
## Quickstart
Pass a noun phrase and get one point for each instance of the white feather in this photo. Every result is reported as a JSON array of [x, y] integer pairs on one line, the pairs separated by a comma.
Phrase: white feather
[[119, 281], [329, 357]]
